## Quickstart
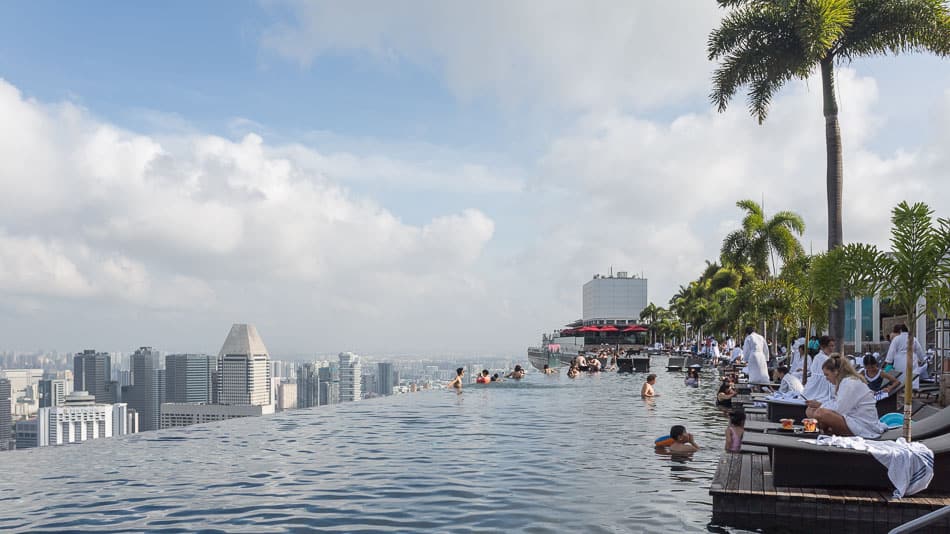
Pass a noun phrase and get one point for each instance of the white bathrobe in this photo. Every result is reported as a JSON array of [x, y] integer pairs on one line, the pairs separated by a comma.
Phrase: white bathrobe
[[897, 356], [790, 384], [818, 387], [855, 402], [755, 351]]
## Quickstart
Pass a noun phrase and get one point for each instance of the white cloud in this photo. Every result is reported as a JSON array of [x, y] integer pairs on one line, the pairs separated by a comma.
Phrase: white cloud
[[91, 211], [580, 54]]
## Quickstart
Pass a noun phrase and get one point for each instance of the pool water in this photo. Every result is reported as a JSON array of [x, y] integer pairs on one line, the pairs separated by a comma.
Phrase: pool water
[[547, 454]]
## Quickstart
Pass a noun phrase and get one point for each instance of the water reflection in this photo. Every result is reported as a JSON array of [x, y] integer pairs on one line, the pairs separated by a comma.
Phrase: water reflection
[[533, 454]]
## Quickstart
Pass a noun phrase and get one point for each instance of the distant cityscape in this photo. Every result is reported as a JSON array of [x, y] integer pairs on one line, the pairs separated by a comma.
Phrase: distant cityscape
[[50, 399]]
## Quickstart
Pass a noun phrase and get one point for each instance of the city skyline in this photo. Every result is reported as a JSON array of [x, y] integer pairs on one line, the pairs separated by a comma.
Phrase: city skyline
[[378, 184]]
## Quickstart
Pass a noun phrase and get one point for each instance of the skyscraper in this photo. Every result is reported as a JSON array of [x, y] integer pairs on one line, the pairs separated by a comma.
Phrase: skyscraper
[[384, 378], [350, 379], [52, 392], [145, 394], [93, 372], [244, 368], [188, 377], [308, 385], [6, 418], [329, 384]]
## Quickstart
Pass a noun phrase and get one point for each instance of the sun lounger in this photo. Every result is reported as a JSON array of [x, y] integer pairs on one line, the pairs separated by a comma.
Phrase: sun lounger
[[675, 363], [799, 464], [936, 424]]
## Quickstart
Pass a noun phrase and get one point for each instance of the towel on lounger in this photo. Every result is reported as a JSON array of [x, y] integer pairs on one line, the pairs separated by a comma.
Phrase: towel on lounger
[[910, 466]]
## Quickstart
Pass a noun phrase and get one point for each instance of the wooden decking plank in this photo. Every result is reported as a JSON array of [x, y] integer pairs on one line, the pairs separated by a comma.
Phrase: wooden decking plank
[[735, 466], [722, 469], [758, 485], [746, 476]]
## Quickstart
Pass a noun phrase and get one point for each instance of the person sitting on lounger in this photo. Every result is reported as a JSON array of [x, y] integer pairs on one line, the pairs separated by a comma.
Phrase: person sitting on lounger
[[875, 377], [735, 430], [851, 411], [789, 382]]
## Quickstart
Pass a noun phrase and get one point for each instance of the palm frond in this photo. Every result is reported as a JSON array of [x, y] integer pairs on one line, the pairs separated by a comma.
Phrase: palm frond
[[894, 26]]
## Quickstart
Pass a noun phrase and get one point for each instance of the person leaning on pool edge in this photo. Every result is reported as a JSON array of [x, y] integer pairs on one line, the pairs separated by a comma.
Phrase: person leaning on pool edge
[[647, 390]]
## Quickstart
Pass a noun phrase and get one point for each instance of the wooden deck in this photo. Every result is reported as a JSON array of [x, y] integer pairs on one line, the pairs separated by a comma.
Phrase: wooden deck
[[745, 497]]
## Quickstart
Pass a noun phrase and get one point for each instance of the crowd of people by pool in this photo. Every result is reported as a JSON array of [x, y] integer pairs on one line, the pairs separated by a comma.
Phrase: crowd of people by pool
[[839, 391]]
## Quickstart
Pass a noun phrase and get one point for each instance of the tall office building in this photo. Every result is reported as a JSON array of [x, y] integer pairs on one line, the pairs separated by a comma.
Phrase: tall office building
[[329, 384], [92, 373], [188, 377], [52, 392], [286, 396], [350, 377], [6, 416], [244, 368], [384, 378], [145, 394], [308, 385]]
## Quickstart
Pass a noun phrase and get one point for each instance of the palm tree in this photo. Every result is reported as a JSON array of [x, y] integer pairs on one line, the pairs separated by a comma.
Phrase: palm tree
[[917, 267], [760, 239], [762, 44]]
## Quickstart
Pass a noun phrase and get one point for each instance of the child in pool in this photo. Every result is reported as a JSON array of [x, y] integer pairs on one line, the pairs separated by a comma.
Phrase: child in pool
[[735, 430]]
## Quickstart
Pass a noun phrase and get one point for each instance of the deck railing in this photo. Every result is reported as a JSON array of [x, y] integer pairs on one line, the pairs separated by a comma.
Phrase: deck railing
[[922, 521]]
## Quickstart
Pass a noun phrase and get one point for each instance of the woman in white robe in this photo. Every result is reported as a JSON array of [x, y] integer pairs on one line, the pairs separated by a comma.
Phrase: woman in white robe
[[755, 351], [852, 411]]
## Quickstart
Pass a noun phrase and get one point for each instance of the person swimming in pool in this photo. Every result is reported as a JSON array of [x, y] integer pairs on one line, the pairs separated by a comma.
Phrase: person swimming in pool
[[647, 390], [517, 374], [457, 381]]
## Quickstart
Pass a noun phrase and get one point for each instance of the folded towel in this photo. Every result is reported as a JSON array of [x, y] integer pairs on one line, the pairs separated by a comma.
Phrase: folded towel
[[910, 466]]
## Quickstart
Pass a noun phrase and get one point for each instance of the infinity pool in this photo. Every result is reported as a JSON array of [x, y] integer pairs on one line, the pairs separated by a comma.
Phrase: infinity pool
[[547, 454]]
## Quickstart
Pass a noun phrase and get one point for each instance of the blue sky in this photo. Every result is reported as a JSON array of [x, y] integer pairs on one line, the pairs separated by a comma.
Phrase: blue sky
[[179, 166]]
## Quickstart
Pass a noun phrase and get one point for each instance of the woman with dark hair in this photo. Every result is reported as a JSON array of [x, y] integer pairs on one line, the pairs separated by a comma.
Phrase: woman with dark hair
[[725, 394], [851, 411], [517, 374]]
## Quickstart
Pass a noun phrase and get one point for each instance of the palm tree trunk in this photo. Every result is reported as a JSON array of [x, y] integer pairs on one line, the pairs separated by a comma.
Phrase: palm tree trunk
[[909, 378], [834, 179]]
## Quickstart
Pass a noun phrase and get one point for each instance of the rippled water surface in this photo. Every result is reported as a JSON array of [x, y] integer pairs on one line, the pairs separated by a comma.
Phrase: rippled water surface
[[548, 454]]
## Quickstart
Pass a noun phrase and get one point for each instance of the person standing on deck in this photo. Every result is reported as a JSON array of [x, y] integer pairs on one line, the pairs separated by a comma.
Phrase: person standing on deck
[[897, 353], [755, 351], [818, 387]]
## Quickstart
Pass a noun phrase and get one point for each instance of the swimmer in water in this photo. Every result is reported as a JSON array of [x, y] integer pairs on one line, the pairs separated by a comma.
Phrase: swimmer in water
[[647, 390], [457, 381], [517, 374]]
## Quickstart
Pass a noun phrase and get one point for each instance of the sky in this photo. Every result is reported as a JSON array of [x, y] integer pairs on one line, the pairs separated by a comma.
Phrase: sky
[[395, 178]]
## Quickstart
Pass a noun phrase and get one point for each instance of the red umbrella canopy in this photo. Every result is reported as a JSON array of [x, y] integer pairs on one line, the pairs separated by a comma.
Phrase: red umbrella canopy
[[635, 328], [609, 328], [589, 329]]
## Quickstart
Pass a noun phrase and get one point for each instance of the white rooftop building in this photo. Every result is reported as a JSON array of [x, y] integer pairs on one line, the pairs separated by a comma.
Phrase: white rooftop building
[[80, 419], [614, 299]]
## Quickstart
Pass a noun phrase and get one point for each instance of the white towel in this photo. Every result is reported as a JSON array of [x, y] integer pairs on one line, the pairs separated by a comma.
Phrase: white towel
[[910, 466]]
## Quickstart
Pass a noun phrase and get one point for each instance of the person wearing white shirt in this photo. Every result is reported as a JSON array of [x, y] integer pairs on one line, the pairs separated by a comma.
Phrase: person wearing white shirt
[[736, 354], [714, 348], [851, 411], [790, 383], [897, 353], [797, 362], [755, 351], [817, 387]]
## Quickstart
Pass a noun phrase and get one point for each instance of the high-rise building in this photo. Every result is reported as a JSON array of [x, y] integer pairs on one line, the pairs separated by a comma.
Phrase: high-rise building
[[329, 384], [6, 416], [145, 394], [244, 368], [308, 385], [188, 377], [92, 373], [286, 396], [384, 378], [350, 377], [52, 392]]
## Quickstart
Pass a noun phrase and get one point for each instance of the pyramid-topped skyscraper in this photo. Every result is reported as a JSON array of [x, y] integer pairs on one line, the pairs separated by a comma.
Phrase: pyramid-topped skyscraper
[[244, 368]]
